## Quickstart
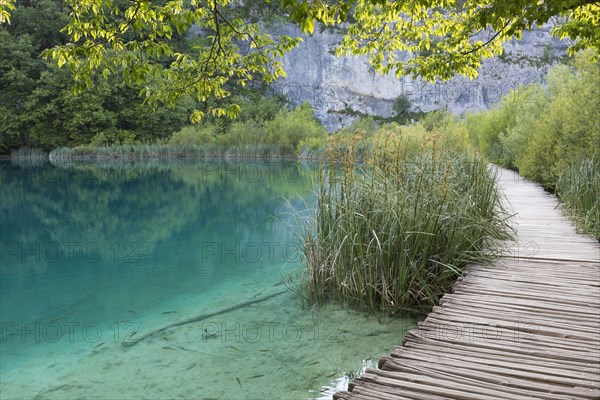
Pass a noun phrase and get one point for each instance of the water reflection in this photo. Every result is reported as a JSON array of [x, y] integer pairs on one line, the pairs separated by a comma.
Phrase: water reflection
[[92, 253]]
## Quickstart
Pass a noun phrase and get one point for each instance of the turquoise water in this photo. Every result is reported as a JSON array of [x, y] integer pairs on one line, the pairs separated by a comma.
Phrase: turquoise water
[[93, 256]]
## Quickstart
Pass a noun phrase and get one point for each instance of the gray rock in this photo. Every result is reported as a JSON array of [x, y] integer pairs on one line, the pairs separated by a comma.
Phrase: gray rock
[[340, 88]]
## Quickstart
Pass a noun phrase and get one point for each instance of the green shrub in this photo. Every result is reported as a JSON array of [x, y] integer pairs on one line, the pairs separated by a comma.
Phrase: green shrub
[[113, 137], [437, 120], [289, 128], [579, 189], [283, 135], [366, 126], [194, 135]]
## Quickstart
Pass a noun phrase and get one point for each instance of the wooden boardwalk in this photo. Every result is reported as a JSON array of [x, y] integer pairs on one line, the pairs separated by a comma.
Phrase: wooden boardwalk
[[525, 328]]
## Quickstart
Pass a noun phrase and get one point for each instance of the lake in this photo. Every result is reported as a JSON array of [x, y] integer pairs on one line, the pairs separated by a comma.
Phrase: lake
[[95, 257]]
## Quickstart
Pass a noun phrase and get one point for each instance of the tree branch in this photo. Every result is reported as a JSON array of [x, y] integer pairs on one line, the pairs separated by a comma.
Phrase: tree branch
[[464, 53]]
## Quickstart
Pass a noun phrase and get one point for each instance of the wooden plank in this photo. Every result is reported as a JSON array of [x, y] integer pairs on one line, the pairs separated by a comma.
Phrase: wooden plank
[[507, 355], [582, 327], [395, 392], [491, 329], [533, 304], [544, 314], [498, 317], [476, 377], [472, 360], [433, 386], [468, 331], [529, 348], [544, 305]]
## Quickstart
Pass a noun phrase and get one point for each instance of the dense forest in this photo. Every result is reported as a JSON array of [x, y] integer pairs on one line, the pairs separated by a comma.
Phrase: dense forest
[[38, 107]]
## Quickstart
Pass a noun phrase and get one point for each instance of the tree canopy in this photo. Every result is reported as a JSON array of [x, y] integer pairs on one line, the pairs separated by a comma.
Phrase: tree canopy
[[432, 39]]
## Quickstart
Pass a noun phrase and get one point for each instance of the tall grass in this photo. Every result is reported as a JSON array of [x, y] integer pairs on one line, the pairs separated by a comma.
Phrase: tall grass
[[579, 189], [28, 157], [395, 232], [140, 152], [27, 153]]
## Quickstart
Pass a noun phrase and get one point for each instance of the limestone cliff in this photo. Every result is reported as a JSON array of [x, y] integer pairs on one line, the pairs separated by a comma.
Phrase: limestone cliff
[[341, 88]]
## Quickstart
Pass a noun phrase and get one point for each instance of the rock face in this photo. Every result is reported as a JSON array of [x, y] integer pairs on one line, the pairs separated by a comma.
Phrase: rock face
[[342, 88]]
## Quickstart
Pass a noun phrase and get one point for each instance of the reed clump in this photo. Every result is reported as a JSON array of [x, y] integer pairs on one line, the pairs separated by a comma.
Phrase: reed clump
[[142, 152], [394, 232], [578, 187], [28, 157]]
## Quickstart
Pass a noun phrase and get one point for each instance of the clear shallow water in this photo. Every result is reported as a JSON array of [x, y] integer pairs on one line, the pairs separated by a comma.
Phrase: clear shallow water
[[93, 256]]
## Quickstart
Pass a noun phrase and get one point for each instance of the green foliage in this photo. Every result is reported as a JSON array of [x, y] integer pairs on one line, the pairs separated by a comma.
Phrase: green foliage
[[266, 132], [437, 120], [579, 189], [136, 37], [541, 130], [25, 154], [55, 116], [365, 126], [282, 132], [264, 12], [194, 135], [446, 39], [395, 232], [402, 105], [18, 73], [142, 39], [404, 110], [42, 20], [6, 6], [551, 134], [486, 129], [38, 107], [288, 129]]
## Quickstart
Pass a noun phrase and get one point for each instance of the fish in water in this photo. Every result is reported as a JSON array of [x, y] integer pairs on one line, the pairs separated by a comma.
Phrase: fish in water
[[186, 349], [131, 311], [133, 333], [235, 348], [239, 382], [255, 376], [169, 312], [192, 366], [98, 345]]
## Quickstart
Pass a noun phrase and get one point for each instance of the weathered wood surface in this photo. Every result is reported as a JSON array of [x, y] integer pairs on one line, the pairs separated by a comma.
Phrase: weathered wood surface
[[527, 327]]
